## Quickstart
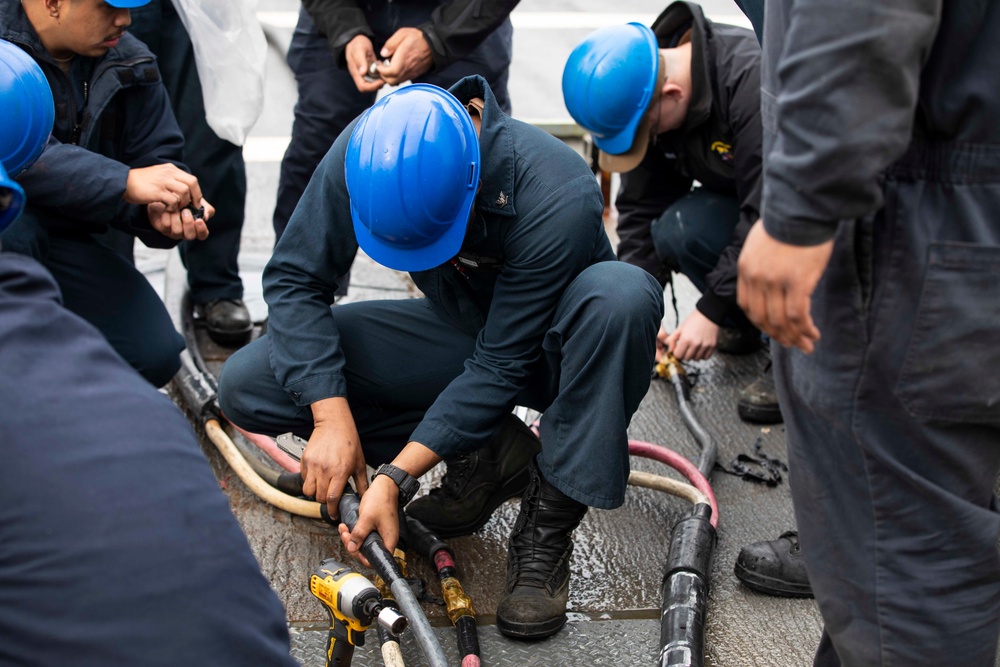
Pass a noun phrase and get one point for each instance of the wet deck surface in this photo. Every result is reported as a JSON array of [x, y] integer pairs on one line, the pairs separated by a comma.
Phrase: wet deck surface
[[620, 554], [619, 557]]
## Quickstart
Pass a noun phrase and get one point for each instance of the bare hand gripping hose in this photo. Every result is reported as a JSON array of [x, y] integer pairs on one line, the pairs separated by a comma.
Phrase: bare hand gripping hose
[[385, 565], [200, 393]]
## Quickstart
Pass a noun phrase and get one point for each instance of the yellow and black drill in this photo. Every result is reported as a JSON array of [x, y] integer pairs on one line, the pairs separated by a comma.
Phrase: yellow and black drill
[[353, 603]]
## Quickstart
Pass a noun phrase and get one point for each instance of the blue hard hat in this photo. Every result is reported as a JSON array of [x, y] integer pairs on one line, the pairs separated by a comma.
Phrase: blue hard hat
[[609, 81], [412, 171], [127, 4], [28, 112]]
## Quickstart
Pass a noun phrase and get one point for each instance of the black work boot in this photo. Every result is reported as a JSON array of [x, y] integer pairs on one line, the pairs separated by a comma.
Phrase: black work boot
[[227, 320], [758, 401], [538, 556], [775, 567], [476, 483]]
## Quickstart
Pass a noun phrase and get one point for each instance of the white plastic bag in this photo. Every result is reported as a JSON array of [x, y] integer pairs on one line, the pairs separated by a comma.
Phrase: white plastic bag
[[230, 52]]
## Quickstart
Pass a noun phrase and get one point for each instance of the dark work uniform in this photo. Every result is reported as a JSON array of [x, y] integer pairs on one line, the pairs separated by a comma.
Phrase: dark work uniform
[[212, 268], [117, 547], [886, 140], [534, 311], [112, 114], [662, 223], [466, 37]]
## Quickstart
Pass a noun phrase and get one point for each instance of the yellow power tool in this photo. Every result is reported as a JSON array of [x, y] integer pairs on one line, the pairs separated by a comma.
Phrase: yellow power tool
[[354, 604]]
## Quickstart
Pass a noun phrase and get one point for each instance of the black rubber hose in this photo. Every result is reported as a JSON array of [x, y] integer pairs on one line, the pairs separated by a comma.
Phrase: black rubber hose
[[685, 590], [386, 567], [423, 541], [460, 608], [709, 451]]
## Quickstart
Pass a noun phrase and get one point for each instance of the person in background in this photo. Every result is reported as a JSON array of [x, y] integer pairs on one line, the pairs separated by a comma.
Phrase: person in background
[[112, 162], [668, 107], [873, 269], [212, 267], [116, 546], [337, 42]]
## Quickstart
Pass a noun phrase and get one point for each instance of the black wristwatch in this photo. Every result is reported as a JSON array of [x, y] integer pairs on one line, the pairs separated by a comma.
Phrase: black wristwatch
[[407, 484]]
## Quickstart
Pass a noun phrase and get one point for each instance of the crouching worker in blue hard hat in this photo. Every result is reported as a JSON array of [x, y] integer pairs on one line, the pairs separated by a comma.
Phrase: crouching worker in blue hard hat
[[112, 162], [668, 107], [118, 548], [524, 305]]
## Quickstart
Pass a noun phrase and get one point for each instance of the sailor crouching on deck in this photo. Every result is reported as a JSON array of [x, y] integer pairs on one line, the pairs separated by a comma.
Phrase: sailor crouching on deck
[[524, 305], [112, 162]]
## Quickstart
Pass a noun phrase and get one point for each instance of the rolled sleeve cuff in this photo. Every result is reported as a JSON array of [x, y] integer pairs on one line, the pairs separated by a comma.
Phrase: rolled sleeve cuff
[[439, 439], [314, 388]]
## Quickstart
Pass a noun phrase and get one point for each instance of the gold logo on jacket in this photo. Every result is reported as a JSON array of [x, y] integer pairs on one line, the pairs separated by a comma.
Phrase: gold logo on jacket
[[724, 150]]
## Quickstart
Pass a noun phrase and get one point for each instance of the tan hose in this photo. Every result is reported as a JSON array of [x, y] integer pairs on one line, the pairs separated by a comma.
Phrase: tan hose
[[673, 487], [249, 476], [310, 509]]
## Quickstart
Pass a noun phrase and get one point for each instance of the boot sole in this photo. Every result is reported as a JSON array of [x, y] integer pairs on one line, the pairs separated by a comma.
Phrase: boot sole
[[531, 630], [512, 489], [759, 415], [772, 586]]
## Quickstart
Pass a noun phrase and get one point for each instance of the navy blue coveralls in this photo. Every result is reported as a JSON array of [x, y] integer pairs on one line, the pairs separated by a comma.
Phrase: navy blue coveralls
[[549, 320], [117, 547], [329, 100], [881, 133], [212, 268], [662, 223], [112, 114]]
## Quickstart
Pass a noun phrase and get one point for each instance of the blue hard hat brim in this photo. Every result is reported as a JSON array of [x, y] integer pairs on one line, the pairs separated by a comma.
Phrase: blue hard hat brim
[[621, 142], [127, 4], [589, 63], [410, 259]]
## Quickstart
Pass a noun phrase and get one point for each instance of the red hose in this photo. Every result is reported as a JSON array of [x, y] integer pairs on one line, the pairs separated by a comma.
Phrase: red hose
[[680, 464], [268, 445]]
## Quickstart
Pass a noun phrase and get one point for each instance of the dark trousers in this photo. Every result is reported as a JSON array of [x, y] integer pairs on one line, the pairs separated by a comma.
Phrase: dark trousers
[[329, 101], [118, 548], [106, 290], [894, 424], [593, 370], [690, 235], [213, 272]]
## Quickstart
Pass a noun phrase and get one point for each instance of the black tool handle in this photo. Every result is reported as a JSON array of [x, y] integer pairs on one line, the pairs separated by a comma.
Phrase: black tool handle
[[339, 652]]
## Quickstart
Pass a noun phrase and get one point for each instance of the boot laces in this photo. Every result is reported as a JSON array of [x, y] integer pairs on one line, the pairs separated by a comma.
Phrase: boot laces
[[537, 563]]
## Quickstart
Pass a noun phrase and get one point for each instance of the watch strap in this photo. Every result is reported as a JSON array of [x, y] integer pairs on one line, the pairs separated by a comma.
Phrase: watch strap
[[407, 484]]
